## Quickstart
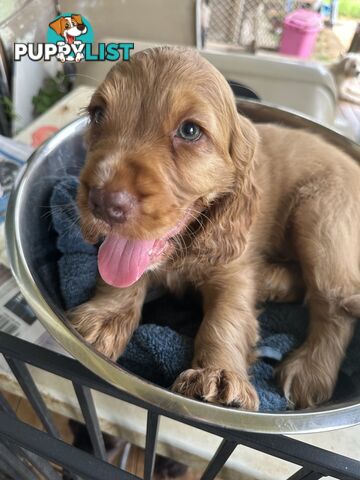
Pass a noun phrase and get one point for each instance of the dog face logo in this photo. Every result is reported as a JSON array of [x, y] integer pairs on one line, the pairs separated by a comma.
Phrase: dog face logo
[[70, 32], [69, 27], [70, 38]]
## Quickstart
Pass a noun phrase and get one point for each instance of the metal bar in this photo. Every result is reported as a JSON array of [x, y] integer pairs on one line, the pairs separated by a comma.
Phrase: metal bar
[[39, 463], [61, 365], [59, 452], [5, 406], [32, 393], [219, 459], [305, 474], [313, 458], [7, 469], [87, 406], [152, 427], [295, 451], [22, 471]]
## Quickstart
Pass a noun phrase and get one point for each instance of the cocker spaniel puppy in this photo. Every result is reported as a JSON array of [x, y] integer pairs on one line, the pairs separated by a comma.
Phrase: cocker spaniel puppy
[[184, 190]]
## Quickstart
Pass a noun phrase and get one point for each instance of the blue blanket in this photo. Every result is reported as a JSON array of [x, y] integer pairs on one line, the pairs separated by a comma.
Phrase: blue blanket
[[162, 346]]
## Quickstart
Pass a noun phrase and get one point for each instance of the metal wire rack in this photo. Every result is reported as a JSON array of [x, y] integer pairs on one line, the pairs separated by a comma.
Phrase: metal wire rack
[[26, 453], [248, 24]]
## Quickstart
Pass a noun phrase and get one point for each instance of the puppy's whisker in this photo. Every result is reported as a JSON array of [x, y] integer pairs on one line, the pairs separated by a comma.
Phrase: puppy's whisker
[[68, 211]]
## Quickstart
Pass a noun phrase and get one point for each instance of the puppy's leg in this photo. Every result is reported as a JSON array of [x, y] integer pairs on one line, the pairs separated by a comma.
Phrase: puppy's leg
[[108, 320], [309, 375], [280, 282], [225, 342], [327, 238]]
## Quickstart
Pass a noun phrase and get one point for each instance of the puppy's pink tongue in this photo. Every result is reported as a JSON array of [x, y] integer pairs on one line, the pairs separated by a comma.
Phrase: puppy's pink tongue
[[121, 262]]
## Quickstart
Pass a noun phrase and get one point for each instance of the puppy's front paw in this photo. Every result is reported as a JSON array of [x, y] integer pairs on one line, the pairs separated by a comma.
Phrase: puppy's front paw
[[106, 331], [61, 57], [217, 386], [305, 383]]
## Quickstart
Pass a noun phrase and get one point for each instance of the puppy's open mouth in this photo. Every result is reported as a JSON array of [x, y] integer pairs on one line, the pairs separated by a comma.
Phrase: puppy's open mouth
[[70, 39], [121, 261]]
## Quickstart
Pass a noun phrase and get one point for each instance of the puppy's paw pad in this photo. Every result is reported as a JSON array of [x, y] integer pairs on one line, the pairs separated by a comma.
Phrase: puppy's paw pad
[[219, 386]]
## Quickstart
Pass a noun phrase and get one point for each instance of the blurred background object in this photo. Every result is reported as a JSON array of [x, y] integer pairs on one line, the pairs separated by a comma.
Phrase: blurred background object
[[160, 21], [235, 28], [23, 21], [253, 25], [299, 33]]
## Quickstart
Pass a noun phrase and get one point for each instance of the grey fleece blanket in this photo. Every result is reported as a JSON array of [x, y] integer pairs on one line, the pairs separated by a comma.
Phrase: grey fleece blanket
[[162, 346]]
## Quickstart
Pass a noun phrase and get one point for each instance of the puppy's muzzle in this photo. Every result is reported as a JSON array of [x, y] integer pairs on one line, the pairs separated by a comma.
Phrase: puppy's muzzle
[[111, 207]]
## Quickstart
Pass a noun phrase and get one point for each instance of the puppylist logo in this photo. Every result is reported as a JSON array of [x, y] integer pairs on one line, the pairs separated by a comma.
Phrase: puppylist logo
[[70, 38]]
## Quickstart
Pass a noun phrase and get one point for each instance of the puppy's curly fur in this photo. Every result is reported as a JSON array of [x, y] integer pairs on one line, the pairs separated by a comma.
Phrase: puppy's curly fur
[[274, 213]]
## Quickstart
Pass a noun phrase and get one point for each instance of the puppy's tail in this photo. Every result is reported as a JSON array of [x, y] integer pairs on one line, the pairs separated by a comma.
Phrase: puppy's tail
[[352, 305]]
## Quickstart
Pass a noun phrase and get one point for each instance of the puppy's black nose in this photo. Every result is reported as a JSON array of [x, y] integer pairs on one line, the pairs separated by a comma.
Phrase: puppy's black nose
[[112, 207], [81, 26]]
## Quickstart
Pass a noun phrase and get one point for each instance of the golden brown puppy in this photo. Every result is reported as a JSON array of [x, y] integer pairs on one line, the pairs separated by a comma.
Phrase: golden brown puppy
[[187, 191]]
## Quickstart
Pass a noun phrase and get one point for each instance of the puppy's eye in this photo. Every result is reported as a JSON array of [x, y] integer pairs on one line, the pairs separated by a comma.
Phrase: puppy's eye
[[67, 25], [97, 114], [189, 131]]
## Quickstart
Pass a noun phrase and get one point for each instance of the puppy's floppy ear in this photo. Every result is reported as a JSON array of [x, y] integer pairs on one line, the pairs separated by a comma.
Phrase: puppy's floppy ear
[[57, 25], [243, 143], [232, 213], [243, 147], [77, 18]]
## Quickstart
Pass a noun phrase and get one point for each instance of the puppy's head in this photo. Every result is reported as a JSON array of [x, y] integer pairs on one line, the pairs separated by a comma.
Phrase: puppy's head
[[348, 66], [164, 143], [69, 27], [351, 67]]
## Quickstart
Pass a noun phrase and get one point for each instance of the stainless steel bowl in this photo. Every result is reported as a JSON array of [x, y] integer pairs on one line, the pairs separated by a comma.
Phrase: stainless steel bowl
[[31, 244]]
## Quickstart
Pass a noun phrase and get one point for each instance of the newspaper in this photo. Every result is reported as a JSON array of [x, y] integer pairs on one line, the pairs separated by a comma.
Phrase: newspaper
[[16, 317], [13, 155]]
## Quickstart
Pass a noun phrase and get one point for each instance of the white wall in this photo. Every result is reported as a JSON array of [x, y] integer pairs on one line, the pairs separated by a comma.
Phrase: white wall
[[163, 21]]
